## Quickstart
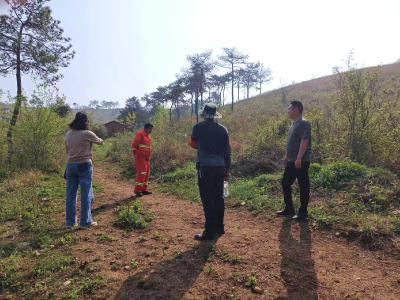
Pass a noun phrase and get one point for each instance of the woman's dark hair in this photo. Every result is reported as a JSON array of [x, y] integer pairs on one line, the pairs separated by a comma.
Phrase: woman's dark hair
[[80, 122]]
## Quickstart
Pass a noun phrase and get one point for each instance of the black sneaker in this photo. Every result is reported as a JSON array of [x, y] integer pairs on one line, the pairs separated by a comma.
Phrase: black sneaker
[[285, 212], [138, 195], [145, 193]]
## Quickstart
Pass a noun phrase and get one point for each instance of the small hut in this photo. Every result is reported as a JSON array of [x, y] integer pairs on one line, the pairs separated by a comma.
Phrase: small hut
[[115, 127]]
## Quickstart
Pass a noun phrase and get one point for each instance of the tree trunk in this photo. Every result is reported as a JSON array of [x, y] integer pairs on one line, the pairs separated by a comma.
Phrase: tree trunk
[[201, 98], [248, 87], [178, 113], [197, 105], [238, 90], [170, 112], [191, 104], [201, 87], [233, 86], [260, 86], [17, 108], [223, 95], [220, 98]]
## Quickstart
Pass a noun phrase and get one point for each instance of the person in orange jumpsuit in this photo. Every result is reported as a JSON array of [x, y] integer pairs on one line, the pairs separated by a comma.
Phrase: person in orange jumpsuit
[[141, 147]]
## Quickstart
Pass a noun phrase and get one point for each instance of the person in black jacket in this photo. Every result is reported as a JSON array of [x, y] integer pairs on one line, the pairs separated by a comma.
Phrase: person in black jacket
[[213, 163]]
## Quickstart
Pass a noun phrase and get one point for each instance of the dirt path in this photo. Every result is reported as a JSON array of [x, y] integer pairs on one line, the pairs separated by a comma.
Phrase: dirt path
[[288, 260]]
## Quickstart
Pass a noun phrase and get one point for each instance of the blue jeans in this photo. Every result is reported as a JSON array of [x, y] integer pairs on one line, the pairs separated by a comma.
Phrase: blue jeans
[[79, 174]]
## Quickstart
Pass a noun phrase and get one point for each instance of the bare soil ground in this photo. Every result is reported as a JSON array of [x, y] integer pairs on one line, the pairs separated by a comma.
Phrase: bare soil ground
[[280, 259]]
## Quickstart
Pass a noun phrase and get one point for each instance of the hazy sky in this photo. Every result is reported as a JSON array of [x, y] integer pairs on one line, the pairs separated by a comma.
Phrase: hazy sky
[[127, 48]]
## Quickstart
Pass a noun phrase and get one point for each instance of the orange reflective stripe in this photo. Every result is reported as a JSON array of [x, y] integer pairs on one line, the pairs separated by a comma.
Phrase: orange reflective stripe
[[139, 183], [144, 146]]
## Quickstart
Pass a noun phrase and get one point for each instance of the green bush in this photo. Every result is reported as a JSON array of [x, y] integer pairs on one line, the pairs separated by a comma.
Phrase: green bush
[[170, 143], [99, 130], [133, 217], [3, 146], [336, 175], [120, 152], [39, 140], [263, 149]]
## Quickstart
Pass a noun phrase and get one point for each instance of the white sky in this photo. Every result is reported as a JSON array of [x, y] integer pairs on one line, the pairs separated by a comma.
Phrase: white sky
[[129, 47]]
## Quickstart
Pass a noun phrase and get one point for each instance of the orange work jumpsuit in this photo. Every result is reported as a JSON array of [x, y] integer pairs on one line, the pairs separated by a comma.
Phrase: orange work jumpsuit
[[141, 147]]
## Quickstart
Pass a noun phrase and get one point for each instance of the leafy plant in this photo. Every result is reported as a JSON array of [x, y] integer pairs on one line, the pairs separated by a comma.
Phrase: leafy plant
[[133, 217]]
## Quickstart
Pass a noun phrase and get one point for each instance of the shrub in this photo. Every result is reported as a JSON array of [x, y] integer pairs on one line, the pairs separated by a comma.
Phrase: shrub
[[99, 130], [120, 152], [337, 174], [3, 148], [39, 140], [133, 217], [170, 143], [263, 149]]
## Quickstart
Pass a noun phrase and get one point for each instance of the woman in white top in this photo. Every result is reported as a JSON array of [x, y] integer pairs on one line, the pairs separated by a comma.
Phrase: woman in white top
[[79, 172]]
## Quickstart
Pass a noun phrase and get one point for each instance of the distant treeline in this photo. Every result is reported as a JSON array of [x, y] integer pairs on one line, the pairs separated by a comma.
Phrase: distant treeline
[[204, 79]]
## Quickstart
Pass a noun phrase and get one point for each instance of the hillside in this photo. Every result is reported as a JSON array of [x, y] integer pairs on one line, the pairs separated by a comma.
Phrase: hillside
[[306, 90]]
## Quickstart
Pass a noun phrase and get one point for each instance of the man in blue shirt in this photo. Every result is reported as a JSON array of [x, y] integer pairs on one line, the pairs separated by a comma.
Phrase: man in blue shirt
[[213, 163]]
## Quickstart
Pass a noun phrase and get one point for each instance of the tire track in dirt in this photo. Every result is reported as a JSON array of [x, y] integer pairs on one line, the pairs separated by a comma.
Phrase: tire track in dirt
[[288, 260]]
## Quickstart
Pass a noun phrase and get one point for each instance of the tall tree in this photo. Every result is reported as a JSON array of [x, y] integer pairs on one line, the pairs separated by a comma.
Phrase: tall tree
[[249, 77], [263, 75], [176, 96], [216, 83], [225, 79], [231, 59], [133, 112], [31, 42], [200, 67], [157, 98], [60, 107], [189, 87], [239, 75], [95, 104]]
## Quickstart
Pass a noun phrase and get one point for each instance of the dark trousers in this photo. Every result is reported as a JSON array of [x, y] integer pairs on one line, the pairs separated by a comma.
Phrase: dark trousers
[[211, 186], [289, 177]]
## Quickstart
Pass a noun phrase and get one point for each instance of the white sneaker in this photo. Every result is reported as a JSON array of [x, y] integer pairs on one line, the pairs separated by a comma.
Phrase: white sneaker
[[93, 224], [72, 227]]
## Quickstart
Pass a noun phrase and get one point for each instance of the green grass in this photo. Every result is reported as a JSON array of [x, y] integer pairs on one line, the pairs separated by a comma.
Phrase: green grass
[[52, 263], [32, 199], [32, 203], [12, 269], [104, 239], [181, 183]]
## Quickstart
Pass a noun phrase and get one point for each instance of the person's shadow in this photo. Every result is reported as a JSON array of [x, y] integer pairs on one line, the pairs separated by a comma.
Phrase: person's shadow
[[297, 266], [169, 279]]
